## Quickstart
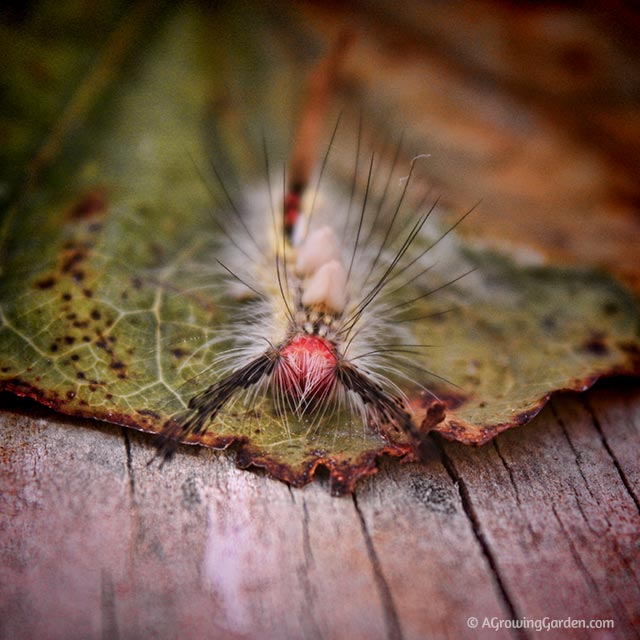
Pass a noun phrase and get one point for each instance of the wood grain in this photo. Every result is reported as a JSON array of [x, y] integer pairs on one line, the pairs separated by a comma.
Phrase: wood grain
[[543, 522]]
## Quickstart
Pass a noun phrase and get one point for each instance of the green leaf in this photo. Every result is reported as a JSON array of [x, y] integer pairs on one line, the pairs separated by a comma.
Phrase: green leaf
[[108, 303]]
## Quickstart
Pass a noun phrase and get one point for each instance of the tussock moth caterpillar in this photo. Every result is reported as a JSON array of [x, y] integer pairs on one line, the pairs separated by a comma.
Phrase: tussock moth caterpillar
[[322, 283]]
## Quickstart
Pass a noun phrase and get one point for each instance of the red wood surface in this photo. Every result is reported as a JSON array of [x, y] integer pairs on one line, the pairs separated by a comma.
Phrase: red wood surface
[[542, 523]]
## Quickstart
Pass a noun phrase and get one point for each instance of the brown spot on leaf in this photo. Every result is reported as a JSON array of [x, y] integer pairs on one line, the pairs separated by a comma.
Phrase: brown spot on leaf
[[72, 259], [71, 395], [92, 204], [95, 314], [45, 283], [596, 345]]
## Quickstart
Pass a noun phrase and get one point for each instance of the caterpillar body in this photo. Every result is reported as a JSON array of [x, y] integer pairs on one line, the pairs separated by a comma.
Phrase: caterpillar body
[[322, 284]]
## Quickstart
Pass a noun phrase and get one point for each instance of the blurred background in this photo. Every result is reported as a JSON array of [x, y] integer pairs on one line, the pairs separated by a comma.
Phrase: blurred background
[[531, 107]]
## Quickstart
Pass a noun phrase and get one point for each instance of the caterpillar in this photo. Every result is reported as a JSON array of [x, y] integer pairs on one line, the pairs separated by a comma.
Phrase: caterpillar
[[322, 284]]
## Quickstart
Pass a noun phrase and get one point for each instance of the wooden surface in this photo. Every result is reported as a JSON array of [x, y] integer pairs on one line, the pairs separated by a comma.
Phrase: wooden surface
[[541, 523]]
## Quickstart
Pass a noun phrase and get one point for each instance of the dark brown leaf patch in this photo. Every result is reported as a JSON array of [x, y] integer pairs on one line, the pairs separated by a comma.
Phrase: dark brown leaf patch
[[93, 204]]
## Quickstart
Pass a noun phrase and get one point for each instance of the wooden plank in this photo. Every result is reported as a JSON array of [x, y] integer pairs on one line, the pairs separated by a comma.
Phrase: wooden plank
[[64, 527], [427, 553], [95, 543], [269, 562], [199, 547], [615, 409], [557, 519]]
